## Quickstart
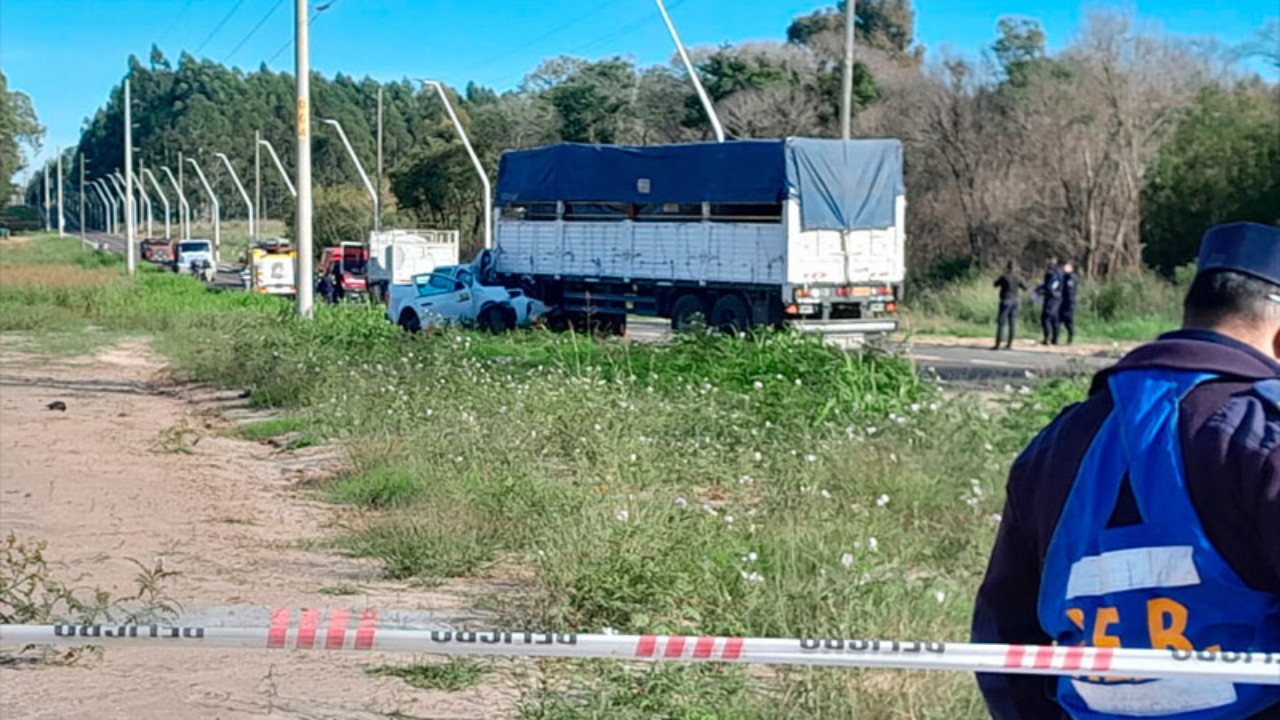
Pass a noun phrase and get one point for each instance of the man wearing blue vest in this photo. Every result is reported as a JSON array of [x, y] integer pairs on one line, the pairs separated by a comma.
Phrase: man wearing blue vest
[[1148, 516]]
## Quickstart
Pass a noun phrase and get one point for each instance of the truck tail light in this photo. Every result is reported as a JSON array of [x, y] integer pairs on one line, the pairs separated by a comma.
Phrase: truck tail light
[[891, 307], [792, 309], [802, 292], [842, 291]]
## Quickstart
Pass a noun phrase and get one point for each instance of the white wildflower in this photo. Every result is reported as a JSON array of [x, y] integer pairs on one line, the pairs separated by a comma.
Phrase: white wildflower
[[847, 560], [882, 500], [811, 458], [873, 544], [757, 385], [681, 502], [940, 596], [749, 557], [622, 515]]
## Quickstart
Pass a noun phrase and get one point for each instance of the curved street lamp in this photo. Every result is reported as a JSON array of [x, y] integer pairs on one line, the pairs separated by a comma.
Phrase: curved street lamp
[[484, 178], [217, 213], [377, 204], [185, 220], [253, 235], [156, 184]]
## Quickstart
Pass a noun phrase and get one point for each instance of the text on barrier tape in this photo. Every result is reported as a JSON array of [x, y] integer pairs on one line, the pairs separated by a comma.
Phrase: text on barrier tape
[[312, 629]]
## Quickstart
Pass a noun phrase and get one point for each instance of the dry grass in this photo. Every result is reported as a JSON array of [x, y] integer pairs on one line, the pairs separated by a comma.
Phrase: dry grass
[[14, 277]]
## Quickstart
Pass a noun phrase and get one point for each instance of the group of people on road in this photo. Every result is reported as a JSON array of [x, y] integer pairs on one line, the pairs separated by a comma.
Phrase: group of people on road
[[1057, 294]]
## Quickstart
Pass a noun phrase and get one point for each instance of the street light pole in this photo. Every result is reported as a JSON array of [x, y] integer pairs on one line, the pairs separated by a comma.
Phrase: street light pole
[[359, 168], [236, 179], [846, 83], [47, 210], [62, 220], [279, 166], [185, 220], [217, 214], [693, 75], [146, 200], [377, 220], [131, 251], [159, 191], [114, 179], [108, 209], [475, 161], [83, 238], [257, 178], [303, 170]]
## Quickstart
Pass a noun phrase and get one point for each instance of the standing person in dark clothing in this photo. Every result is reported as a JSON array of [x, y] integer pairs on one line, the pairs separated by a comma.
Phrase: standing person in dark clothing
[[1148, 516], [324, 288], [1070, 288], [1051, 292], [339, 290], [1010, 284]]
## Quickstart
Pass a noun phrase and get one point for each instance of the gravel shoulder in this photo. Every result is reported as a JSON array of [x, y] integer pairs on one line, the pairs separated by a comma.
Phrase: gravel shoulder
[[139, 467]]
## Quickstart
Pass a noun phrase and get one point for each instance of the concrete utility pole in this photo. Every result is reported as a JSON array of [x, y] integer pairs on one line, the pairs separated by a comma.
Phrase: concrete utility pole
[[693, 75], [377, 218], [247, 202], [279, 166], [62, 220], [257, 178], [217, 213], [377, 204], [303, 230], [475, 161], [159, 191], [83, 239], [48, 211], [184, 221], [846, 82], [131, 239]]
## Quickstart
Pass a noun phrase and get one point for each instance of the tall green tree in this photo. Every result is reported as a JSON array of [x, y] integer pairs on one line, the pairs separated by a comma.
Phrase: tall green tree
[[19, 128]]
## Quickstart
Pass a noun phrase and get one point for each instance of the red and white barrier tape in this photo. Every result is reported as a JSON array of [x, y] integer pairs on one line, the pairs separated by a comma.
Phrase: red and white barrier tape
[[311, 629]]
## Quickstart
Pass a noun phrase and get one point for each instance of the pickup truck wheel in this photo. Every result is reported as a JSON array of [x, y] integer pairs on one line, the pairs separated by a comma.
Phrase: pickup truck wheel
[[410, 322], [730, 314], [496, 319], [688, 313]]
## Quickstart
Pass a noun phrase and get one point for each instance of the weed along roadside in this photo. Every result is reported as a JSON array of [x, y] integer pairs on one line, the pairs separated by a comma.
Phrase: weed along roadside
[[763, 486]]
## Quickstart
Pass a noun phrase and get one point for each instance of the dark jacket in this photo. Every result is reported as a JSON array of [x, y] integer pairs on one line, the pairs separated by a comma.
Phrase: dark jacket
[[1051, 288], [1009, 287], [1230, 433], [1070, 287]]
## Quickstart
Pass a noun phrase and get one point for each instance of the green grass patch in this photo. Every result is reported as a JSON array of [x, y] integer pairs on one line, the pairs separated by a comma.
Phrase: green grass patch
[[267, 429], [380, 488], [451, 675]]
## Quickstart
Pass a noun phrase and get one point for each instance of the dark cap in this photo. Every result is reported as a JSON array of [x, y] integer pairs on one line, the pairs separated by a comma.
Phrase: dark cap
[[1243, 247]]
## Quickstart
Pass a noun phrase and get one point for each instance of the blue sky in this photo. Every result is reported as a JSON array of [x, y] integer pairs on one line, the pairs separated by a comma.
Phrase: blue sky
[[66, 54]]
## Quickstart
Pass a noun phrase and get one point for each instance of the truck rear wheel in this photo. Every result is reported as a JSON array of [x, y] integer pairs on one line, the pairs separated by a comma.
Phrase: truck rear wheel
[[688, 313], [730, 314]]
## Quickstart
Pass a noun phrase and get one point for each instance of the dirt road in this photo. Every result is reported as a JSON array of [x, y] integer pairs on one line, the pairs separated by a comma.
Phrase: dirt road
[[140, 467]]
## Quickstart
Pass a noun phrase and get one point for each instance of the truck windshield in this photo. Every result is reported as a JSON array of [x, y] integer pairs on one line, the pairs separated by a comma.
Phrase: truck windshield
[[354, 266], [193, 247]]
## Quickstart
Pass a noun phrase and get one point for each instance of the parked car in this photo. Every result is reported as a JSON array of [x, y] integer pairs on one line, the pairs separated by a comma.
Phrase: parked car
[[455, 294], [192, 250]]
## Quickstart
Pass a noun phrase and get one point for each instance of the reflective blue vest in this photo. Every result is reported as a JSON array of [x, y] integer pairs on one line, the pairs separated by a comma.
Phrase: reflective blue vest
[[1155, 584]]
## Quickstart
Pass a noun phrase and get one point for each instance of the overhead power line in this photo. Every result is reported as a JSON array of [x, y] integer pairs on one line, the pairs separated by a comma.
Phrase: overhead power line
[[213, 33], [255, 29], [321, 8]]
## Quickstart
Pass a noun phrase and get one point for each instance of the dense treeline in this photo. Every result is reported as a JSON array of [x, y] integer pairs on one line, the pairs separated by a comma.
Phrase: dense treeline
[[1118, 149]]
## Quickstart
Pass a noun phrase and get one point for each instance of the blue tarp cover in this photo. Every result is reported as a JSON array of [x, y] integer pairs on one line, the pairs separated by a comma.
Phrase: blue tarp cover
[[841, 185]]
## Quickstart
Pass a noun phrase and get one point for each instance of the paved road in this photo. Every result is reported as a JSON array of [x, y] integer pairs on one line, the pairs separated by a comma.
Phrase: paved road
[[964, 363], [227, 278], [975, 363]]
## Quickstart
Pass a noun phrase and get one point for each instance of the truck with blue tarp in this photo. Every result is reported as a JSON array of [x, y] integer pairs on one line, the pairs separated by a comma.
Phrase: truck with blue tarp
[[806, 232]]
